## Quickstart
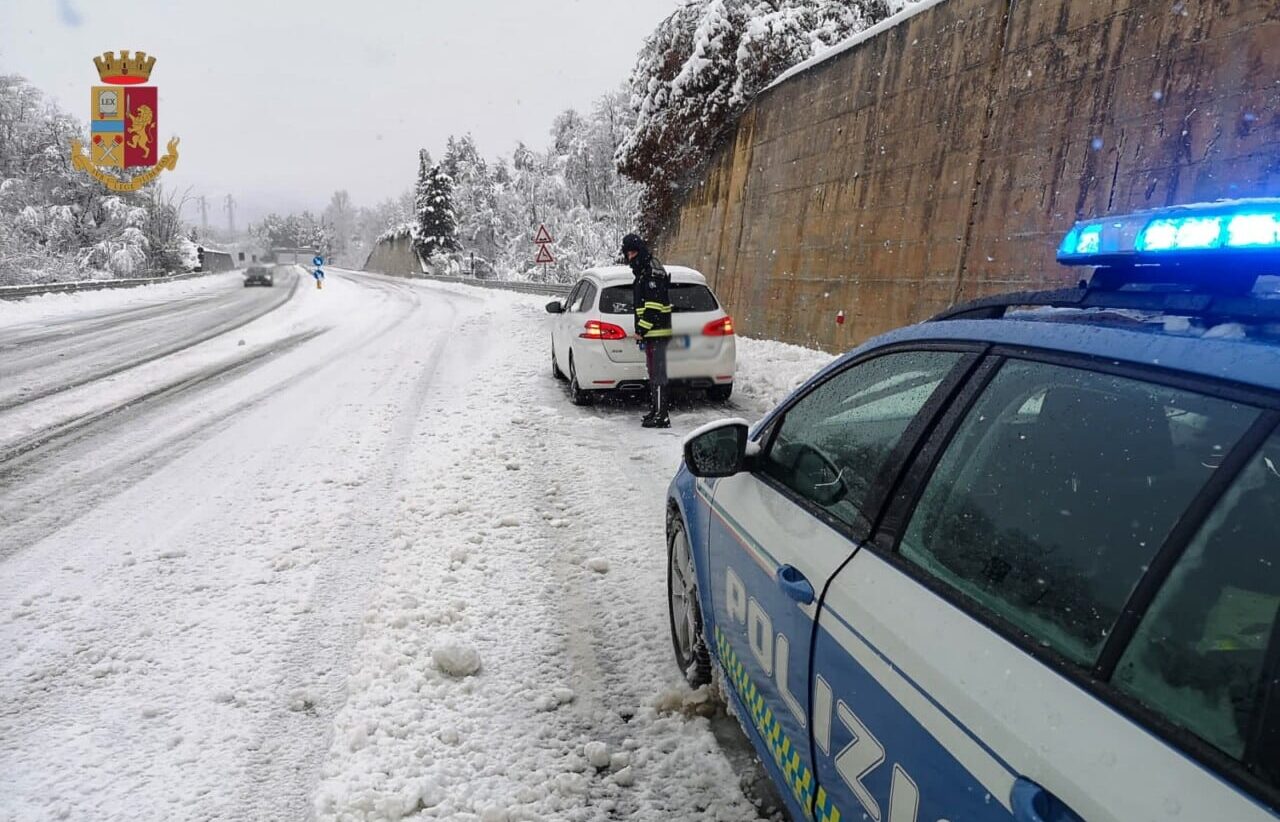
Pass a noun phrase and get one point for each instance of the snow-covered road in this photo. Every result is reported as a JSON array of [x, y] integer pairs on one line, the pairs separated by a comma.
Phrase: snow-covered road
[[249, 578]]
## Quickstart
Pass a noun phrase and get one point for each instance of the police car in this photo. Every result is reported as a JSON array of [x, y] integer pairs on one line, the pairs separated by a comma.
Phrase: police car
[[1021, 561]]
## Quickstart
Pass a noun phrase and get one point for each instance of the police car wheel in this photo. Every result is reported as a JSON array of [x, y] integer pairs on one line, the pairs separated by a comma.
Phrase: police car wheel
[[692, 656]]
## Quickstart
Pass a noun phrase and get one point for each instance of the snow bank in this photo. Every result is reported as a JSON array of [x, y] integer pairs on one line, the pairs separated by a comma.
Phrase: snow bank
[[768, 371]]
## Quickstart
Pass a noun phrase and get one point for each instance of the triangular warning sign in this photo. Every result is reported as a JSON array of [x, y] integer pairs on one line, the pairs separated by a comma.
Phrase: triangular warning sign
[[543, 236], [544, 255]]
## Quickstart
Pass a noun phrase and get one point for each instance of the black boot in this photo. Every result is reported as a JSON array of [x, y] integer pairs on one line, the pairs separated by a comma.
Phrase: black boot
[[659, 398], [653, 406]]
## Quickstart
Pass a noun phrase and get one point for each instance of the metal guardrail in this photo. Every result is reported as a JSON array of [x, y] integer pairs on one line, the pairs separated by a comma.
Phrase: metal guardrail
[[17, 292], [547, 289]]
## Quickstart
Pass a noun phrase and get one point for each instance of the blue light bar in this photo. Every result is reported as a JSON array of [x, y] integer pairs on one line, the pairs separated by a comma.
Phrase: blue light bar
[[1260, 230], [1219, 230]]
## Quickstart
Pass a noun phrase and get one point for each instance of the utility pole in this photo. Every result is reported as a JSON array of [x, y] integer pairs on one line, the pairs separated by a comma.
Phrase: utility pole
[[204, 215], [229, 205]]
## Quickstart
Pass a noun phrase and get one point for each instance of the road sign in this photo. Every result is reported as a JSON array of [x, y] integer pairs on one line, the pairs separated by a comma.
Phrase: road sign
[[317, 261], [544, 255], [543, 237]]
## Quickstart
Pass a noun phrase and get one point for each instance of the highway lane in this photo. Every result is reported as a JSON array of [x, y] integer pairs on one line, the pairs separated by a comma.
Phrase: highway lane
[[44, 357]]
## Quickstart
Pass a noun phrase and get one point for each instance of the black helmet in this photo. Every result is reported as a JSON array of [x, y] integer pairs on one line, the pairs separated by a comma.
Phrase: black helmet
[[632, 242]]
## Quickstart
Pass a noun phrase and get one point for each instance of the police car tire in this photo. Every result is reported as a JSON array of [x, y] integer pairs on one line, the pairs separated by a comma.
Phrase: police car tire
[[696, 664]]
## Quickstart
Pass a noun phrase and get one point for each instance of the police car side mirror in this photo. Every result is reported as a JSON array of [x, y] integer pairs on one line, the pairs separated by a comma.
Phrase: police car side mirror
[[719, 449], [555, 307]]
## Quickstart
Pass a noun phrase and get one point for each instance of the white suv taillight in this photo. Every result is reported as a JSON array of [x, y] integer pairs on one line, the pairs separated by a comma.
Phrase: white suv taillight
[[597, 330], [722, 327]]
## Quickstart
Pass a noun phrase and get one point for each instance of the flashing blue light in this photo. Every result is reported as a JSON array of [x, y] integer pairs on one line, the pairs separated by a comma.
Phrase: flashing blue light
[[1181, 234], [1090, 241], [1254, 231], [1147, 237], [1069, 242]]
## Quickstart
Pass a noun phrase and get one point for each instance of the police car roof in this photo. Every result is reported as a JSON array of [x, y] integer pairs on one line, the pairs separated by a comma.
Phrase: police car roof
[[1253, 361], [620, 274]]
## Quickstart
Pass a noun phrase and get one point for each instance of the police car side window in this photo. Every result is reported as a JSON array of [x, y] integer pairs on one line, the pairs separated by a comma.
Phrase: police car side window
[[1056, 491], [831, 445], [1200, 655]]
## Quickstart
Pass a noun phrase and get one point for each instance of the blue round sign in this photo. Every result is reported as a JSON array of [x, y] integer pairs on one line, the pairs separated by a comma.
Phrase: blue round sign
[[317, 260]]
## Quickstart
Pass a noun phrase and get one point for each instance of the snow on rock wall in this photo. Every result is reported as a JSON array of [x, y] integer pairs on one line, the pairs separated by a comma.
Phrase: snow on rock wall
[[394, 256], [944, 158]]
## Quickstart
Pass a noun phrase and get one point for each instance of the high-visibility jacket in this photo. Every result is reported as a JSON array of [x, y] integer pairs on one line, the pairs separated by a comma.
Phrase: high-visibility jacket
[[652, 298]]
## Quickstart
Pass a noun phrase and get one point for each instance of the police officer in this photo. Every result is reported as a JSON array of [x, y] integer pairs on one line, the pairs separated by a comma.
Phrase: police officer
[[653, 325]]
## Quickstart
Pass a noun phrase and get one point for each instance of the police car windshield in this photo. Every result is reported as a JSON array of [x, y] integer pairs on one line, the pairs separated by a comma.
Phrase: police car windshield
[[685, 298]]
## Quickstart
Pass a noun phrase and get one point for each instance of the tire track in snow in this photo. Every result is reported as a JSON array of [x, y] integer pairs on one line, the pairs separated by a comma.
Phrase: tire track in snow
[[165, 351], [317, 669], [85, 425]]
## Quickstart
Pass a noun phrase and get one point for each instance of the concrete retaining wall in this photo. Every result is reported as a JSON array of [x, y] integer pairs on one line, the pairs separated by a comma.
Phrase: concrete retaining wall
[[395, 256], [944, 158], [215, 261]]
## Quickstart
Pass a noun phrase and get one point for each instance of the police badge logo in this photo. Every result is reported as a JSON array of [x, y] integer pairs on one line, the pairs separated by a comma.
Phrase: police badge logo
[[124, 126]]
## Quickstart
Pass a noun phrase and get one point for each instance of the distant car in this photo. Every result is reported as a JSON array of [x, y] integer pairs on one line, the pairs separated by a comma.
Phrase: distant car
[[594, 345], [1018, 562], [259, 275]]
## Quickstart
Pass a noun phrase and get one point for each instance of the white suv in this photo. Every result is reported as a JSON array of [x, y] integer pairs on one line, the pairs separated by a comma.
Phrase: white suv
[[594, 345]]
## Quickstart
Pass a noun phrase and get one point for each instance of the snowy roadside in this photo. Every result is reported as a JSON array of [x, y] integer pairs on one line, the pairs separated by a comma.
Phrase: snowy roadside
[[516, 661]]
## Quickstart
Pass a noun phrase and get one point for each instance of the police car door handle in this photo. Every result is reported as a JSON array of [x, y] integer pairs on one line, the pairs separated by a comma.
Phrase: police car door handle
[[794, 584], [1032, 803]]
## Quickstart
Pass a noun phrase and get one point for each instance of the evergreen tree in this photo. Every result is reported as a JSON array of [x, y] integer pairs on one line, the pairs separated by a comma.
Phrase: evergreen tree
[[437, 225], [421, 199]]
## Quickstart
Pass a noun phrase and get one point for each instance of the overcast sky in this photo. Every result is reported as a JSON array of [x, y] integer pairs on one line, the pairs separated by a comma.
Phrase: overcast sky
[[281, 102]]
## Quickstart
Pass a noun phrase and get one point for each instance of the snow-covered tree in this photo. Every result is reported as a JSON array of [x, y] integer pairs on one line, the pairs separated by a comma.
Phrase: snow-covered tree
[[701, 68], [437, 227]]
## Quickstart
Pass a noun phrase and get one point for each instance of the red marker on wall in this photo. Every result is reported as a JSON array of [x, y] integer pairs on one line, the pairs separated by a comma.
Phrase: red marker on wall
[[840, 317]]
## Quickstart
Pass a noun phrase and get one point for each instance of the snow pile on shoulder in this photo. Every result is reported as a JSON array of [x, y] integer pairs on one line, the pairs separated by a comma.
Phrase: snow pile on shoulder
[[906, 10], [768, 371]]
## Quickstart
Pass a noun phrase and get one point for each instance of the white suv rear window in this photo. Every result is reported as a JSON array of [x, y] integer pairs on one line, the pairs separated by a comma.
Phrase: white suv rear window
[[685, 298]]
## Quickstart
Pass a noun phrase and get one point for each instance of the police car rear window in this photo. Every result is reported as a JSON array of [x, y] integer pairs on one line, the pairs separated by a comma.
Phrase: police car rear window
[[685, 297]]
